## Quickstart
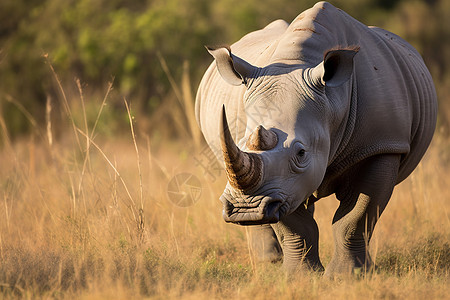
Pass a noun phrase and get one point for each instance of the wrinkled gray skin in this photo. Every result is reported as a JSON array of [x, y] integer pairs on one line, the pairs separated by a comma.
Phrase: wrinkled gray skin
[[354, 121]]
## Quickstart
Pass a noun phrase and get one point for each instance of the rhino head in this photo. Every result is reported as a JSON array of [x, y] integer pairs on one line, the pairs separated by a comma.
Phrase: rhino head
[[285, 157]]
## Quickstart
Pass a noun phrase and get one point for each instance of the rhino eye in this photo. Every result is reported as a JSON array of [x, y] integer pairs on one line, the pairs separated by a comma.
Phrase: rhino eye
[[301, 153], [299, 162]]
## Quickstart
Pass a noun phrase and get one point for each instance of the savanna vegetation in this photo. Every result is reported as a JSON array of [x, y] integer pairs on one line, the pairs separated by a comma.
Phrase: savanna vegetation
[[96, 118]]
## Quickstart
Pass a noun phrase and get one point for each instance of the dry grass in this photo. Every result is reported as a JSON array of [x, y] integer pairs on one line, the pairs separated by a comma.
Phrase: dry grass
[[90, 218]]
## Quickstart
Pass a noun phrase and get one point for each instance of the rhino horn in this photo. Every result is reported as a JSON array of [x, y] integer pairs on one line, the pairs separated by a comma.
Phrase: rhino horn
[[244, 170], [262, 139]]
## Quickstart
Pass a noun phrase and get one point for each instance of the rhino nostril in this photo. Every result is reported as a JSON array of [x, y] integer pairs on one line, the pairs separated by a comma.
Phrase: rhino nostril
[[272, 208]]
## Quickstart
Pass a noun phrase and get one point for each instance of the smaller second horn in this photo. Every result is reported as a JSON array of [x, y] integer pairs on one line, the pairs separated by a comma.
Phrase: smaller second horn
[[262, 139]]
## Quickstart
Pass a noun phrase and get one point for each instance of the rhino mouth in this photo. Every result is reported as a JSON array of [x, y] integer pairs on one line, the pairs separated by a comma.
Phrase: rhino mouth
[[267, 210]]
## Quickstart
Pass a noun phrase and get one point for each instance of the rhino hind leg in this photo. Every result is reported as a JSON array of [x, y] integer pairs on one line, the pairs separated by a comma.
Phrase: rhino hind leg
[[298, 235], [362, 200]]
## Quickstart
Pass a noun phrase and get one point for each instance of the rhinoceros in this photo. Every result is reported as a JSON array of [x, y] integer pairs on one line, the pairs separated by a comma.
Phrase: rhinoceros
[[297, 112]]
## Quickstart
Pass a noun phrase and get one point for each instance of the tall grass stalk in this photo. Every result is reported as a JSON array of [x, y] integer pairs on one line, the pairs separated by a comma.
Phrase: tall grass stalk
[[5, 133], [185, 99], [23, 110], [131, 204], [94, 127], [65, 102], [188, 104], [140, 222], [48, 122]]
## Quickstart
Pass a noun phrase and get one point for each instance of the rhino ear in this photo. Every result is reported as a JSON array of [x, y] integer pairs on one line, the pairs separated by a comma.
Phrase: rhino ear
[[336, 68], [233, 69]]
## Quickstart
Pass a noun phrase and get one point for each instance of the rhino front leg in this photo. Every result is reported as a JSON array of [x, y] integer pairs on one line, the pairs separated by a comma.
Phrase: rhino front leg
[[298, 235], [363, 199], [264, 243]]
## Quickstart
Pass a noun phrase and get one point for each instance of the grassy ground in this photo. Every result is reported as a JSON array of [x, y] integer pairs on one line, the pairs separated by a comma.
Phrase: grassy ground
[[95, 221]]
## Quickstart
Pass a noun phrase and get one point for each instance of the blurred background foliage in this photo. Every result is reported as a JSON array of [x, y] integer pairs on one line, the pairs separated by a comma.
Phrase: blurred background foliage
[[128, 42]]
